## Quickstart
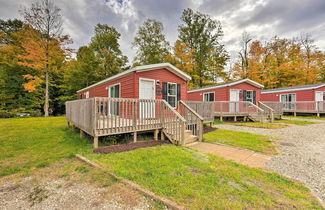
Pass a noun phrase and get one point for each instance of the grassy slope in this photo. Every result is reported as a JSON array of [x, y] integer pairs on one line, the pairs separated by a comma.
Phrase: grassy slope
[[36, 142], [245, 140], [201, 181]]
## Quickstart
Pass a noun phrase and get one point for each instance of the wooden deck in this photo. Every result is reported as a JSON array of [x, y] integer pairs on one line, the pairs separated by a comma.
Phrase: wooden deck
[[234, 109], [299, 107], [110, 116]]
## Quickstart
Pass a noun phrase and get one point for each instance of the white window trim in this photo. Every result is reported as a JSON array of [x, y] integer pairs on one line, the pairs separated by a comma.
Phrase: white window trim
[[86, 94], [319, 92], [109, 89], [147, 79], [252, 91], [214, 96], [176, 99], [280, 96]]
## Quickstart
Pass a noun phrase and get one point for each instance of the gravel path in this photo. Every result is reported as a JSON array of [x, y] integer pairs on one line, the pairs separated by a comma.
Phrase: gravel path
[[302, 153]]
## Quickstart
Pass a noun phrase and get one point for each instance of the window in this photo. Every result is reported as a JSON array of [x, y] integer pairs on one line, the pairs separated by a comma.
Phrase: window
[[114, 91], [287, 99], [208, 96], [87, 94], [172, 94], [114, 106], [250, 96]]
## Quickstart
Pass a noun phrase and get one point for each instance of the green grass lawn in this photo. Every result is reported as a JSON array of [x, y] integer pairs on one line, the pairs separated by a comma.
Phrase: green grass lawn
[[296, 122], [261, 125], [201, 181], [29, 143], [190, 178], [245, 140], [306, 117]]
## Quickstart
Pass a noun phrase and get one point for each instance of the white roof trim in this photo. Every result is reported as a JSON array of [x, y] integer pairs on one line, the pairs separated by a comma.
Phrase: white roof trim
[[290, 90], [139, 69], [228, 84]]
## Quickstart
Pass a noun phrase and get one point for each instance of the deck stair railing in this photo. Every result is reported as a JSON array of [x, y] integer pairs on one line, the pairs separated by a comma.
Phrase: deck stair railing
[[268, 110], [102, 116], [194, 122]]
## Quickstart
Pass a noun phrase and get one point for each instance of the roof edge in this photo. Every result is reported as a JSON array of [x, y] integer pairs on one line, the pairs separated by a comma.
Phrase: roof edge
[[256, 84], [149, 67], [289, 90]]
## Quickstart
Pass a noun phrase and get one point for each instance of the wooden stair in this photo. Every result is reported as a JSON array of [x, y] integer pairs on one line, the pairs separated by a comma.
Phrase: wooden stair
[[189, 138]]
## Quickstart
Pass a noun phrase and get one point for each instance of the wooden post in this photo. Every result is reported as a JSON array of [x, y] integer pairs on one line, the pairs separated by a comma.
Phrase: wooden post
[[134, 116], [235, 118], [162, 136], [155, 133], [95, 142], [82, 134], [221, 118], [135, 136]]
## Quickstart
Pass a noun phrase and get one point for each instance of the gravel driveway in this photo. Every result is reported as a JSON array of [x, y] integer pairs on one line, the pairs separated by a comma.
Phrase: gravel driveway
[[302, 153]]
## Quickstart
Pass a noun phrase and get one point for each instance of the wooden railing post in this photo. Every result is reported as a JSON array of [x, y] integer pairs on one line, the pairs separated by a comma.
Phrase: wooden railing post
[[134, 116], [162, 113]]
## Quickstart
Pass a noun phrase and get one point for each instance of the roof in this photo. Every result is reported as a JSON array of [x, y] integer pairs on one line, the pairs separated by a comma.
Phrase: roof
[[227, 84], [294, 88], [167, 66]]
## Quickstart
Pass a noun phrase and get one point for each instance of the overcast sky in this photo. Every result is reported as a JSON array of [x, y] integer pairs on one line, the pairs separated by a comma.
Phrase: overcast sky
[[261, 18]]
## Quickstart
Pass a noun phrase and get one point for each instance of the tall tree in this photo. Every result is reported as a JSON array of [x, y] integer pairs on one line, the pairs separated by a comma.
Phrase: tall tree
[[203, 35], [281, 62], [150, 42], [81, 72], [107, 50], [45, 17], [183, 58]]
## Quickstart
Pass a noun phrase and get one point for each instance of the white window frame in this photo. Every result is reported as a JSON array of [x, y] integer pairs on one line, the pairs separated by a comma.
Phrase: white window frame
[[214, 96], [323, 94], [252, 96], [86, 94], [280, 97], [172, 95], [109, 89]]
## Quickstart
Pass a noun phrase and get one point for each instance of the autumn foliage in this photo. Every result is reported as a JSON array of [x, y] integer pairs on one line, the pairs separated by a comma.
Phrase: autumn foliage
[[282, 62]]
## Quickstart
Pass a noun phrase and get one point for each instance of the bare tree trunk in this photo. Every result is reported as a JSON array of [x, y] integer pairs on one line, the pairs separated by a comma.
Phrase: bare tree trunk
[[46, 105]]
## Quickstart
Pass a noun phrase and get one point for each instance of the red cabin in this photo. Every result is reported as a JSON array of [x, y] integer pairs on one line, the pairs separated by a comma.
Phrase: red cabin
[[240, 90], [155, 81], [297, 99], [314, 92]]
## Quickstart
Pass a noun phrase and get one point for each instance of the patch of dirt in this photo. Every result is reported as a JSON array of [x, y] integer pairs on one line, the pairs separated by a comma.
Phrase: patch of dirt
[[128, 147], [46, 189], [207, 129]]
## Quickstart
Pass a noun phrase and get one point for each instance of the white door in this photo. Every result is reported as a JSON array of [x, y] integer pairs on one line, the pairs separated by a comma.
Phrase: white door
[[234, 98], [147, 91], [320, 97]]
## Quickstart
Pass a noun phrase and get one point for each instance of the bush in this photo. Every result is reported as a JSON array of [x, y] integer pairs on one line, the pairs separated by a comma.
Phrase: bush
[[6, 114]]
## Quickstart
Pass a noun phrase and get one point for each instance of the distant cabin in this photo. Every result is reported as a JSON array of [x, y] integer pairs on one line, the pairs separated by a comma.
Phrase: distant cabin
[[155, 81], [313, 92], [240, 90]]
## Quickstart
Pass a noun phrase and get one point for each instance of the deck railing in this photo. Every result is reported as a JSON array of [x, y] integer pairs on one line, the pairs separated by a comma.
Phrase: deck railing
[[299, 106], [204, 109], [102, 116], [194, 122], [226, 108]]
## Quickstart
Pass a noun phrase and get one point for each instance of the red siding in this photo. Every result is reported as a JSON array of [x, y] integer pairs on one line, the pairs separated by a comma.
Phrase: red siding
[[223, 93], [130, 84], [102, 89], [163, 75], [301, 95]]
